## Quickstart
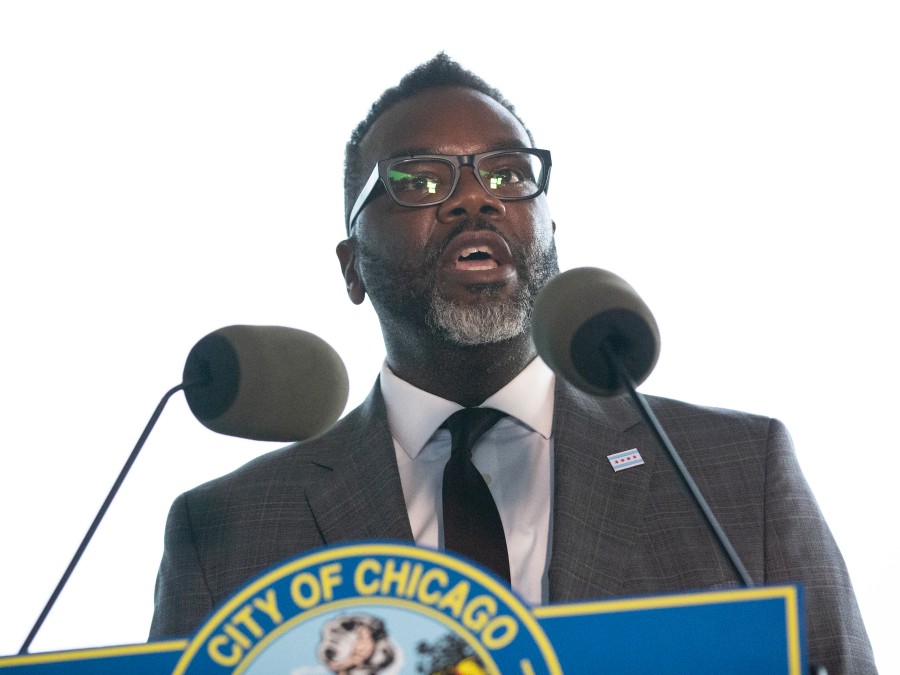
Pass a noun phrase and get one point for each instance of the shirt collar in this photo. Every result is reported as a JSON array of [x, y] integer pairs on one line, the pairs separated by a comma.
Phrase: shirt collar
[[528, 397]]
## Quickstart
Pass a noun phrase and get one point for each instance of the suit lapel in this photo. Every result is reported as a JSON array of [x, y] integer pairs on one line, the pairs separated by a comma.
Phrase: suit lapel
[[357, 494], [596, 511]]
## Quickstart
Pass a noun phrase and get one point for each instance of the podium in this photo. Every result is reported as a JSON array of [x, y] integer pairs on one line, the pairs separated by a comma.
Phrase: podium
[[394, 608]]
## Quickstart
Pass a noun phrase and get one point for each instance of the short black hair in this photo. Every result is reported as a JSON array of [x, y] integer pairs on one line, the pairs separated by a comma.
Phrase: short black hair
[[440, 71]]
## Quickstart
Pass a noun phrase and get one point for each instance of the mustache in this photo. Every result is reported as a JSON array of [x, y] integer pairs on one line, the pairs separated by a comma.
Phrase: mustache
[[436, 249]]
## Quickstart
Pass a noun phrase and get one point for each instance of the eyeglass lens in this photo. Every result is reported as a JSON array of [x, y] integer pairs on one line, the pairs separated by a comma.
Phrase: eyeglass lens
[[508, 175]]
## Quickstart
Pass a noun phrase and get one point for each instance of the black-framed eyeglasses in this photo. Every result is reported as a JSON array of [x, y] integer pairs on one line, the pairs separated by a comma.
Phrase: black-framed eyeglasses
[[426, 180]]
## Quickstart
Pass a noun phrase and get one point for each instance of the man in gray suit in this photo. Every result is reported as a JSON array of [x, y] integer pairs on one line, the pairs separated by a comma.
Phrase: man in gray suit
[[451, 238]]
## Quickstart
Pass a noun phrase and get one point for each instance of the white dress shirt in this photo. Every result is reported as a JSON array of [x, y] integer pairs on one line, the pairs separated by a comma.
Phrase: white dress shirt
[[515, 457]]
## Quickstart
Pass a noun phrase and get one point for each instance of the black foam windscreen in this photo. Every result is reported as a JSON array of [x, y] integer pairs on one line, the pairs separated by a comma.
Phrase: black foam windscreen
[[578, 312], [266, 383]]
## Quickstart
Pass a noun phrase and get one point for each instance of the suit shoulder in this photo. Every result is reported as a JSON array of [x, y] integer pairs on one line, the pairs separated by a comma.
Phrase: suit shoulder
[[675, 415], [676, 410], [704, 427], [296, 462]]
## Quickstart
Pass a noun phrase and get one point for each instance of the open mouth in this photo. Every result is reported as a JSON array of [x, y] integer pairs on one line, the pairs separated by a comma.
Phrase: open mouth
[[474, 258], [478, 257]]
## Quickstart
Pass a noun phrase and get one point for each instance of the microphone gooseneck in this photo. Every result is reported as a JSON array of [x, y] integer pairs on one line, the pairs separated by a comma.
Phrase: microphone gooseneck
[[102, 512], [663, 438], [595, 332], [266, 383]]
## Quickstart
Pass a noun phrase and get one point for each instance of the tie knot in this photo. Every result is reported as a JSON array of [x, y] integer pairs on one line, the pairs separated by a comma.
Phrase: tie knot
[[468, 425]]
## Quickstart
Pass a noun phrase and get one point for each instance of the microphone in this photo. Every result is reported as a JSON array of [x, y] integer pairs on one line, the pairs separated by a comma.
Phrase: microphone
[[595, 332], [584, 309], [265, 383]]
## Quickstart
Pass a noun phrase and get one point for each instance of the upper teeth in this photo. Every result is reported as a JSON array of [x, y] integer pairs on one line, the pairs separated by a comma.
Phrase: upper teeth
[[475, 249]]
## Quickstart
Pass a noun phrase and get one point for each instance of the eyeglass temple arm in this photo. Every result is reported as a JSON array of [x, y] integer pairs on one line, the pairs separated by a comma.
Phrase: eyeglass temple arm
[[364, 195]]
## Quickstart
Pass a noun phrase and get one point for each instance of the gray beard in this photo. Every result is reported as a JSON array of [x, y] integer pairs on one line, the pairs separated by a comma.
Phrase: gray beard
[[485, 323]]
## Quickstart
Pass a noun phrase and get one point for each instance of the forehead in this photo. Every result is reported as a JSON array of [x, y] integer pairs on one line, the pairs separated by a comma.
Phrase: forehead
[[445, 121]]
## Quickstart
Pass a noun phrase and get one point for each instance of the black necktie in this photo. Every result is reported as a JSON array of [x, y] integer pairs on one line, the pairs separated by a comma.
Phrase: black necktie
[[472, 525]]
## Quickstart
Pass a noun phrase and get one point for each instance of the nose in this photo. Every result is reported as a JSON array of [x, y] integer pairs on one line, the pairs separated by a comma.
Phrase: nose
[[470, 198]]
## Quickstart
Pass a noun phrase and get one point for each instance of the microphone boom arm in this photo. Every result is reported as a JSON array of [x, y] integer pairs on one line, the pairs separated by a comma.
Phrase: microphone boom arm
[[102, 512], [643, 407]]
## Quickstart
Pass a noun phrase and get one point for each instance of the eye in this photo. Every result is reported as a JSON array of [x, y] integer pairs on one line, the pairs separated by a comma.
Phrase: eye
[[510, 174], [418, 182], [498, 178], [402, 181]]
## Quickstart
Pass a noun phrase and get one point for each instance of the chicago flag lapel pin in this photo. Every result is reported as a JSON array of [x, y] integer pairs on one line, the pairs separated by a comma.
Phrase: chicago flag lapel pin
[[625, 460]]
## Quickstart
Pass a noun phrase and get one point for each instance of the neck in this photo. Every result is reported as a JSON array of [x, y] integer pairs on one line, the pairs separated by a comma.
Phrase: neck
[[465, 375]]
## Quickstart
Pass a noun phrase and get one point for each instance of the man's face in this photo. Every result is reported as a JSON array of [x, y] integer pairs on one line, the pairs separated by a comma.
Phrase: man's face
[[466, 269]]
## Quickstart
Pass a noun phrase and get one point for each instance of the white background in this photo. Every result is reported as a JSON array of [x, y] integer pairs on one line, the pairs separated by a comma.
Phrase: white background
[[168, 168]]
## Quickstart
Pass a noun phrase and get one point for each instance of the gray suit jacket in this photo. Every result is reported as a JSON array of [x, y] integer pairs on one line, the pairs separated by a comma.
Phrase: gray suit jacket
[[626, 533]]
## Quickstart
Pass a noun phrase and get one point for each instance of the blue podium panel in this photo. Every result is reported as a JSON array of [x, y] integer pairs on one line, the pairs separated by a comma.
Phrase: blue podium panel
[[391, 608], [753, 631], [156, 658]]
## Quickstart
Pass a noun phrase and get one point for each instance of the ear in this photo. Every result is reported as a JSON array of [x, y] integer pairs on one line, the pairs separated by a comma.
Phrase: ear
[[346, 253]]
